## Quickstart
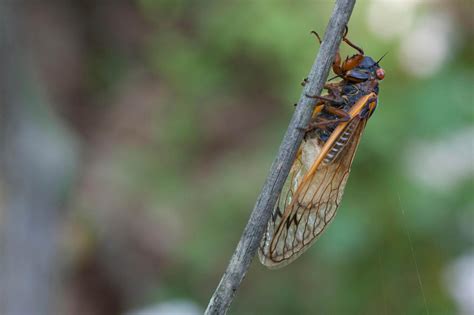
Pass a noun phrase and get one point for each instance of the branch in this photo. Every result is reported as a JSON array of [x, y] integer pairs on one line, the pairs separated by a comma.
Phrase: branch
[[253, 232]]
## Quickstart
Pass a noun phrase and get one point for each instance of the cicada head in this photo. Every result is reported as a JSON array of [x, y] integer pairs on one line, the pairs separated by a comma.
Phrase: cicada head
[[367, 69]]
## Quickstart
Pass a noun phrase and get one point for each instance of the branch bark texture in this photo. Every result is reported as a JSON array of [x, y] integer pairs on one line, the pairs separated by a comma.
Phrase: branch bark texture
[[253, 232]]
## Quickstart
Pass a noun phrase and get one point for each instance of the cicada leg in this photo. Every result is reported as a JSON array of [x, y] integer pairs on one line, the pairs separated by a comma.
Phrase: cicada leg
[[337, 65], [332, 101], [317, 36], [305, 80], [352, 62], [334, 90], [322, 122], [331, 86], [348, 42]]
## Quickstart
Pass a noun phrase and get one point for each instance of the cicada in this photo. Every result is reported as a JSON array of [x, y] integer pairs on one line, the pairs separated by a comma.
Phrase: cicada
[[315, 185]]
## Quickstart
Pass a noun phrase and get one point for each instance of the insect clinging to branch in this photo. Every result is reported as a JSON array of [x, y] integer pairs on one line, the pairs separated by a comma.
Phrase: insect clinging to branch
[[314, 187]]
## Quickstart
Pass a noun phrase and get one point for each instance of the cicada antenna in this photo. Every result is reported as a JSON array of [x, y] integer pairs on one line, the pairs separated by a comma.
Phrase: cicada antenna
[[377, 63]]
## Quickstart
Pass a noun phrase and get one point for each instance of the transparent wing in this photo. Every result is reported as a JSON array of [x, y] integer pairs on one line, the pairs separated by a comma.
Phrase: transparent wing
[[308, 202]]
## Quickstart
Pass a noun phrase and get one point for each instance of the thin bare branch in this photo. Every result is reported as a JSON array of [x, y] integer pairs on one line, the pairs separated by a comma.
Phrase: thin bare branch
[[253, 232]]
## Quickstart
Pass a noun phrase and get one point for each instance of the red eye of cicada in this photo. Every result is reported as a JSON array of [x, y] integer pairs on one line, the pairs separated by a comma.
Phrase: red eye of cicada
[[380, 73]]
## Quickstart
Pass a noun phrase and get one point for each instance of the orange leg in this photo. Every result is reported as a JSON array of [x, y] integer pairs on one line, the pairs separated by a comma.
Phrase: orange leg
[[323, 122], [336, 64], [337, 111], [348, 42], [329, 100], [339, 67]]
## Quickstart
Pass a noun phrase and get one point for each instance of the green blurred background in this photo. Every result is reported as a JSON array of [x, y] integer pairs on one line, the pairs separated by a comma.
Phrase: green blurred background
[[174, 111]]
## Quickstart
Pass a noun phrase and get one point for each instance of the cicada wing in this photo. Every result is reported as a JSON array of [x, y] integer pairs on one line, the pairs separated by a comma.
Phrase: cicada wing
[[302, 213], [295, 177]]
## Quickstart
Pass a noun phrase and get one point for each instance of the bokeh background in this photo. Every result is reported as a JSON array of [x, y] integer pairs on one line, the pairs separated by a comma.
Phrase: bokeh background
[[136, 136]]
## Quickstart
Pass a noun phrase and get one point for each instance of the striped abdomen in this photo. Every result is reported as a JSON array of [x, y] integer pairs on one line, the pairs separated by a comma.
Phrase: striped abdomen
[[341, 142]]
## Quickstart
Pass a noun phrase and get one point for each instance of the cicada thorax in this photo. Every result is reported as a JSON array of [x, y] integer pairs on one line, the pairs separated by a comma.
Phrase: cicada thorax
[[348, 93]]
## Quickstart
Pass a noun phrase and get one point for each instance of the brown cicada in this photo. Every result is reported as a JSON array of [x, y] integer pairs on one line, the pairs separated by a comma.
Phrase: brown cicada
[[314, 187]]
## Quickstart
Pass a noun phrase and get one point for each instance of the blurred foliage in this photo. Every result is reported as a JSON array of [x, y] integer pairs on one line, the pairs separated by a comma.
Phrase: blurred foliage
[[186, 120], [231, 72]]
